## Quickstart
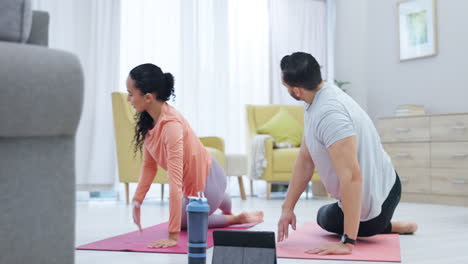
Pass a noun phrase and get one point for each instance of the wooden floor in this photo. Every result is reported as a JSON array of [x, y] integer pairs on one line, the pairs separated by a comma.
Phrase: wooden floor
[[442, 236]]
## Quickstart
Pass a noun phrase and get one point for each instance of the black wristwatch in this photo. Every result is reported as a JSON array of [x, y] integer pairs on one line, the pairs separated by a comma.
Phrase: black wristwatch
[[346, 240]]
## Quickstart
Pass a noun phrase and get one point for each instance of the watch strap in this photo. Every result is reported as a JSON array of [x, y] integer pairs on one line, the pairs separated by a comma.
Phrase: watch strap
[[346, 240]]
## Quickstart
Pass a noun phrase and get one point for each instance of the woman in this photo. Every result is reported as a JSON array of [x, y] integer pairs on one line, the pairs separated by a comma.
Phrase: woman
[[167, 140]]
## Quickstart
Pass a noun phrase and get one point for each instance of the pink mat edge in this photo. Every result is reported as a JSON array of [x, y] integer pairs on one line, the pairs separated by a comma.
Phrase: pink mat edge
[[397, 259], [88, 246]]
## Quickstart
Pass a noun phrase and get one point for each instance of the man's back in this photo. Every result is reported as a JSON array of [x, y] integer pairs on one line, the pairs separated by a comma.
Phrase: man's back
[[333, 116]]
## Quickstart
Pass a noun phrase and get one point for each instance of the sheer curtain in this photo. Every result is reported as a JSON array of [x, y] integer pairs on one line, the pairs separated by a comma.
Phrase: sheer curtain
[[149, 33], [90, 29], [217, 51], [223, 53], [331, 22], [203, 82], [249, 59], [298, 25]]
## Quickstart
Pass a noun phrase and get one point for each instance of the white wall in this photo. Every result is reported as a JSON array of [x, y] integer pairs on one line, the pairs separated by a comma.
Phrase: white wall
[[350, 42], [367, 55]]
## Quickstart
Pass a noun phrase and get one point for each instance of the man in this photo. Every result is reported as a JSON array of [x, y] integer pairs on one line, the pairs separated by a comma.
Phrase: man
[[341, 141]]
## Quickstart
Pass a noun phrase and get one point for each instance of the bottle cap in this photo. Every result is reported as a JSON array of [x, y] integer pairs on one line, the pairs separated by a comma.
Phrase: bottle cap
[[201, 196]]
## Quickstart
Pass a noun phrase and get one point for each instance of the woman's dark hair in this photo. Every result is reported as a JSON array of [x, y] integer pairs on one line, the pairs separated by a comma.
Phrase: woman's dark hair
[[300, 69], [149, 78]]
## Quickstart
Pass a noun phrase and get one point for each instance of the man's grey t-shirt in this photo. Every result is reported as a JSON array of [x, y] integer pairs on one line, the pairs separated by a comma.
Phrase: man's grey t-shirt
[[333, 116]]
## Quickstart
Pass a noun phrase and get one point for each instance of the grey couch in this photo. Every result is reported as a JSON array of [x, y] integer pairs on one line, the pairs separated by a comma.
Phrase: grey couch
[[41, 93]]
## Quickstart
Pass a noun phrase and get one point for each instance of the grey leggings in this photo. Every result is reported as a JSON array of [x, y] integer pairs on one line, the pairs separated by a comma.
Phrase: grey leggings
[[216, 195]]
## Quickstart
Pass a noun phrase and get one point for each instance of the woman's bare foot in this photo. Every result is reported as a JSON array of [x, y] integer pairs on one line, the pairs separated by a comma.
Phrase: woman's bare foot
[[404, 227], [245, 217], [251, 217]]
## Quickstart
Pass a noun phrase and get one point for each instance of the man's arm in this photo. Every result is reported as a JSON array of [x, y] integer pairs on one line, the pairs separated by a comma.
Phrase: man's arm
[[302, 173], [343, 154]]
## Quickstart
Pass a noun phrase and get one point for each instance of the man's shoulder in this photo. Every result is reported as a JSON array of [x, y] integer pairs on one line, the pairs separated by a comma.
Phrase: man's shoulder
[[326, 108]]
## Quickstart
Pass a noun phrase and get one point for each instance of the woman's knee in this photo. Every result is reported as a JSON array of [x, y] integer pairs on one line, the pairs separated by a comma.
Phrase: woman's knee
[[183, 222]]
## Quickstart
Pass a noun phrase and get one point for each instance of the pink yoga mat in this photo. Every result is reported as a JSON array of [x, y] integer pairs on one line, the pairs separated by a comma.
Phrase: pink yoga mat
[[384, 247], [138, 242]]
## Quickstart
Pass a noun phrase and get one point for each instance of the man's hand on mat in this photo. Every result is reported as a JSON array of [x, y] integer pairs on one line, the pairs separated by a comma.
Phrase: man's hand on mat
[[337, 248], [287, 218], [165, 243], [136, 214]]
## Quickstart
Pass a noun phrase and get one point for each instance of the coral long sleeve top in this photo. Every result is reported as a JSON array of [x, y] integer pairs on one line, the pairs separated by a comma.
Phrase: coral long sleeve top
[[173, 145]]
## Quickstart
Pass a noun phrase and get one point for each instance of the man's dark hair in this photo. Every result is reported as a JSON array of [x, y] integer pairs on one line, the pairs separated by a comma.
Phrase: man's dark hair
[[301, 69]]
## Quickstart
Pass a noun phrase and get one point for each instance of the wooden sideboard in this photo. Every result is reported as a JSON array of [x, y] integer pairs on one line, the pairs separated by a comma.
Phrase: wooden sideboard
[[430, 154]]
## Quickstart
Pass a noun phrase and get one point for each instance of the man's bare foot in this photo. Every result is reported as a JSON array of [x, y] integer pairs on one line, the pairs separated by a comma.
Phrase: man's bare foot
[[251, 217], [404, 227]]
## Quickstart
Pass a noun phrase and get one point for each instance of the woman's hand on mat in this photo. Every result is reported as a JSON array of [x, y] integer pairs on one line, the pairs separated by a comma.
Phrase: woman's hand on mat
[[136, 214], [337, 248], [165, 243], [287, 218]]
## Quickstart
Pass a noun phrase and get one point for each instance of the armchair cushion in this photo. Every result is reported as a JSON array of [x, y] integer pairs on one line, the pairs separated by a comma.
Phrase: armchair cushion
[[284, 159], [283, 127]]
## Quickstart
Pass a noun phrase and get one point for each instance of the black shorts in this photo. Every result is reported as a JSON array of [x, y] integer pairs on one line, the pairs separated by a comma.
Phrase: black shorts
[[330, 217]]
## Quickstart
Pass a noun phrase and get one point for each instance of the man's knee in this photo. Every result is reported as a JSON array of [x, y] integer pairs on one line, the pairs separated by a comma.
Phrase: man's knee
[[327, 221], [368, 230], [321, 218]]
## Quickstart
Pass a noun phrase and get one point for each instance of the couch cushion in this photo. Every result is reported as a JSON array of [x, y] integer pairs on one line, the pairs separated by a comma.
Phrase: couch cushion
[[15, 20], [260, 114], [39, 29], [284, 159], [283, 127]]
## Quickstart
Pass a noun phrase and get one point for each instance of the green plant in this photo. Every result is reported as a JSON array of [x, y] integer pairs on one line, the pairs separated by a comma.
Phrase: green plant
[[340, 84]]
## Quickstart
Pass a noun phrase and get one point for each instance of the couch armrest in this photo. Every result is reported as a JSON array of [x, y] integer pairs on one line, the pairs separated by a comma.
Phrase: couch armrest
[[42, 91], [213, 142], [268, 172], [251, 126]]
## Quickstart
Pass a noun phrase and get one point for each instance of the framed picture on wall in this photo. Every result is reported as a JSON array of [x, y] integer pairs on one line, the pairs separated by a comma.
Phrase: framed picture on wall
[[417, 28]]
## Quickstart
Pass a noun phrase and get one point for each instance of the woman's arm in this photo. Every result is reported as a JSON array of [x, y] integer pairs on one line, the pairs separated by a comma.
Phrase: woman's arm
[[173, 139], [148, 172]]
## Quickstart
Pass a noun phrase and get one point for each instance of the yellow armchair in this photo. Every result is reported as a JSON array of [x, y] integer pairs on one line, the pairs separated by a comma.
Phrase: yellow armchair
[[280, 162], [215, 146], [129, 165]]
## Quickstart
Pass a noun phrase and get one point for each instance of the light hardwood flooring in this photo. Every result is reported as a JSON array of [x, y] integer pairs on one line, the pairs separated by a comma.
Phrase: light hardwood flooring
[[442, 236]]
